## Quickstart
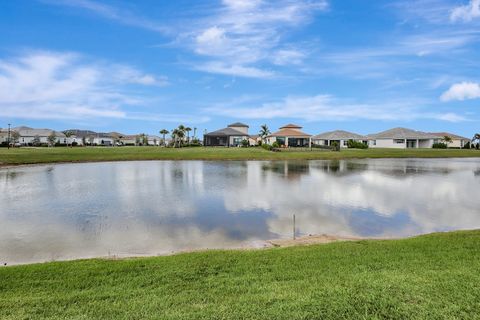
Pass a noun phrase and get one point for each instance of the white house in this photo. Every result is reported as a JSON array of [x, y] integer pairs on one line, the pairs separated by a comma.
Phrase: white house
[[154, 140], [290, 135], [457, 141], [401, 138], [28, 136], [339, 136], [103, 139]]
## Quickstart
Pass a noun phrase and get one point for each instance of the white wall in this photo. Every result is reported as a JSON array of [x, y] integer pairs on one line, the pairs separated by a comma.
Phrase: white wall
[[386, 143]]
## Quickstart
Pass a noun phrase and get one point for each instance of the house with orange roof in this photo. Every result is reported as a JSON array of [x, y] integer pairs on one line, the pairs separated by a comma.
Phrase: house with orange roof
[[290, 135]]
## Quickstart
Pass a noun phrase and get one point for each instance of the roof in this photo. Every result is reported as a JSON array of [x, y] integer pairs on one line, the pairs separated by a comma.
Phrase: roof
[[226, 132], [238, 124], [290, 125], [402, 133], [338, 135], [287, 132], [30, 132], [451, 135]]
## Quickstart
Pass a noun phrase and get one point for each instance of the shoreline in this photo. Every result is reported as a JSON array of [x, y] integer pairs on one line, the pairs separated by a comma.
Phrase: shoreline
[[301, 241]]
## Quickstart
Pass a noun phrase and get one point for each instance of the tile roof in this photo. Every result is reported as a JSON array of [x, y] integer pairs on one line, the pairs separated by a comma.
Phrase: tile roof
[[402, 133], [451, 135], [291, 125], [238, 124], [338, 135], [287, 132], [226, 132]]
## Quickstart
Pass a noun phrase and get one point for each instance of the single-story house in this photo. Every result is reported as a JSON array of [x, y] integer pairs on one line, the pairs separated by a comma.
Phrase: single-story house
[[231, 136], [401, 138], [339, 136], [30, 136], [457, 141], [290, 135], [3, 136], [103, 139]]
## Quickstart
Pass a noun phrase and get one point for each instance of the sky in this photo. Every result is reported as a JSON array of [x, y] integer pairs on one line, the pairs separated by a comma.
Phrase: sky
[[143, 66]]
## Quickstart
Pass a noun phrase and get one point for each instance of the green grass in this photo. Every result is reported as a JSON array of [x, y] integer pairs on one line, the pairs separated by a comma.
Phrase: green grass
[[49, 155], [435, 276]]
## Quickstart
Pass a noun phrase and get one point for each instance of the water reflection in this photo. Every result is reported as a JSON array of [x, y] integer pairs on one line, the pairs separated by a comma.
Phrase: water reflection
[[128, 208]]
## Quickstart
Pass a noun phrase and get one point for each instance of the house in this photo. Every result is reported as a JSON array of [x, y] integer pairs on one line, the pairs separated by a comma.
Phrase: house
[[103, 139], [231, 136], [154, 140], [457, 141], [254, 140], [290, 135], [3, 136], [30, 136], [401, 138], [339, 136]]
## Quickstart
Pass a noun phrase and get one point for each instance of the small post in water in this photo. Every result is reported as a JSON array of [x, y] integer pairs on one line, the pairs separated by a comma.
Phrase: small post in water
[[293, 226]]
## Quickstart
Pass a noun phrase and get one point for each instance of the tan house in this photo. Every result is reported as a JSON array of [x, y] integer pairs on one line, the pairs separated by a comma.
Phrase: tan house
[[290, 135], [339, 136], [231, 136], [457, 141]]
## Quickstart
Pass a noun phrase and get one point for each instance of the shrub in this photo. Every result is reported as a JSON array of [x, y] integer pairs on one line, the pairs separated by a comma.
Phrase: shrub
[[245, 143], [74, 143], [276, 144], [439, 145], [335, 146], [467, 145], [267, 147], [356, 144]]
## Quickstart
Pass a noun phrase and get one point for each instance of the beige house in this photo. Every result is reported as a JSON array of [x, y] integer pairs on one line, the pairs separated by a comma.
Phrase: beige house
[[457, 141], [339, 136], [290, 135]]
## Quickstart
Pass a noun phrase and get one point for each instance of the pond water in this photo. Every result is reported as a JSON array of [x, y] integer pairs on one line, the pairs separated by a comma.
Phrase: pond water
[[69, 211]]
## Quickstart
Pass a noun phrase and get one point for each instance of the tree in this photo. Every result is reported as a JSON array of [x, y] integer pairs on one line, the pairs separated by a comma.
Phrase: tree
[[68, 134], [52, 138], [264, 132], [187, 130], [84, 140], [91, 139], [36, 141], [15, 137], [144, 139], [164, 132], [476, 138], [181, 133], [447, 140]]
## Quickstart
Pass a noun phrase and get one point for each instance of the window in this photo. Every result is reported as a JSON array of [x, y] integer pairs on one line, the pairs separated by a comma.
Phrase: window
[[345, 142], [399, 141], [374, 142]]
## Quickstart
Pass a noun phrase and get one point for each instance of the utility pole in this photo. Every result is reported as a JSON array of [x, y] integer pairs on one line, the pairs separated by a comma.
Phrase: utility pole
[[8, 138], [194, 132]]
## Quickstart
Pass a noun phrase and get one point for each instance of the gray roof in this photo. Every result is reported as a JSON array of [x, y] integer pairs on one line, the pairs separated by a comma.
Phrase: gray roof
[[402, 133], [226, 132], [338, 135], [238, 124], [30, 132]]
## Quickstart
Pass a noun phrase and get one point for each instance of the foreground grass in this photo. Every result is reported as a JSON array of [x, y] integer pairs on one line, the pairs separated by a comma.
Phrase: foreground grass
[[429, 277], [50, 155]]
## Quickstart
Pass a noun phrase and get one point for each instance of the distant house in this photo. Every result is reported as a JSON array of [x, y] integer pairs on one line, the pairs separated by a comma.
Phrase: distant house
[[339, 136], [254, 140], [290, 135], [103, 139], [457, 141], [154, 140], [29, 135], [401, 138], [3, 136], [231, 136]]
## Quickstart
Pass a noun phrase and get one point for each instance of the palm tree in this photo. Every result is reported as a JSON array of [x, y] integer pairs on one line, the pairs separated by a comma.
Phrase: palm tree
[[194, 132], [164, 132], [68, 134], [476, 138], [447, 140], [187, 130], [175, 133], [181, 128], [264, 132]]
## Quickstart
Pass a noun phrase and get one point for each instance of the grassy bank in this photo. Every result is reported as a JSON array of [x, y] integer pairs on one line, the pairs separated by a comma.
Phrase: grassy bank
[[429, 277], [49, 155]]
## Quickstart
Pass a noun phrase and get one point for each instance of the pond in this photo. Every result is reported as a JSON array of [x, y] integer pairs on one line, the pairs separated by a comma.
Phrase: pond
[[70, 211]]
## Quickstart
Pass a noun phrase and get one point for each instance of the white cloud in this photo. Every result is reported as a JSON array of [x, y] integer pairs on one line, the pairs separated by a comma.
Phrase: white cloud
[[53, 85], [122, 16], [328, 108], [466, 12], [462, 91], [243, 35]]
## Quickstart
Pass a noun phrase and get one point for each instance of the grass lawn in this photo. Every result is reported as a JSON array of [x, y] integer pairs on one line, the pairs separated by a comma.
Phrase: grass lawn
[[48, 155], [435, 276]]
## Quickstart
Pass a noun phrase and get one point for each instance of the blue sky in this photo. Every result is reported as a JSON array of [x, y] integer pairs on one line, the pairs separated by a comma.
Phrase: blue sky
[[141, 66]]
